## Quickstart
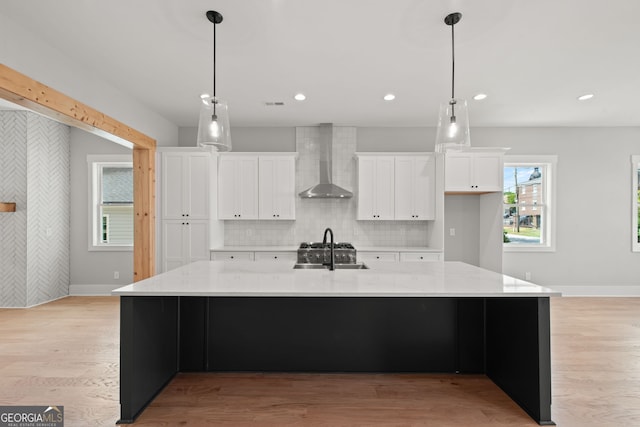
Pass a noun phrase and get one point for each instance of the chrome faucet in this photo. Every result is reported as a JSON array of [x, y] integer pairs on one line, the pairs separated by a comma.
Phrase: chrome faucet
[[332, 265]]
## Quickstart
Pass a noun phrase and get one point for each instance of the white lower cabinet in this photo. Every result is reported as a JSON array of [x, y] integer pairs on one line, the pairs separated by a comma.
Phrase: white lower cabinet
[[420, 256], [184, 242], [232, 256], [399, 256], [377, 256], [291, 257]]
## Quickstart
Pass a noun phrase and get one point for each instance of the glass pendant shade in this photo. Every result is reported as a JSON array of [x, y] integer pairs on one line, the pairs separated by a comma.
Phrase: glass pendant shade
[[453, 126], [213, 126]]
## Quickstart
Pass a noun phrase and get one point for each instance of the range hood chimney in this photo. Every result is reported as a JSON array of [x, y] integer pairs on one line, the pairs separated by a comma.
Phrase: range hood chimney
[[326, 189]]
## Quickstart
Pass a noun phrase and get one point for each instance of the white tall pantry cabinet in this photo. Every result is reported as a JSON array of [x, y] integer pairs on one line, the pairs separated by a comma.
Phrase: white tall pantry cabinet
[[185, 207]]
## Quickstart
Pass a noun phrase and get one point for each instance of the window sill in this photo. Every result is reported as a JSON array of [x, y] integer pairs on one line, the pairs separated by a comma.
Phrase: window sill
[[110, 248], [524, 248]]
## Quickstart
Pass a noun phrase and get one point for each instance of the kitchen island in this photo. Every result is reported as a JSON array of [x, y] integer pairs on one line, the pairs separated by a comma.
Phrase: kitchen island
[[393, 317]]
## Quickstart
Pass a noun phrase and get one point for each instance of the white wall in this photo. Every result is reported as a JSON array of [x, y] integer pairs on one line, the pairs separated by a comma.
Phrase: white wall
[[91, 271], [37, 59]]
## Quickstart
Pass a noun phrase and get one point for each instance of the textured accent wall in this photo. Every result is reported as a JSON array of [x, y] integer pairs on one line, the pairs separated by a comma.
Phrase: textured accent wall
[[314, 215], [34, 241]]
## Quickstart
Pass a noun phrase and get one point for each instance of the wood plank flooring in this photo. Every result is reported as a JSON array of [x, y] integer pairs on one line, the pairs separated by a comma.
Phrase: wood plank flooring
[[66, 353]]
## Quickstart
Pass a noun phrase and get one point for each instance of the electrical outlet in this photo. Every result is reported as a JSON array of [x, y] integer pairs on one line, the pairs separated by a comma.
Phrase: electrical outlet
[[452, 232], [116, 274], [527, 275]]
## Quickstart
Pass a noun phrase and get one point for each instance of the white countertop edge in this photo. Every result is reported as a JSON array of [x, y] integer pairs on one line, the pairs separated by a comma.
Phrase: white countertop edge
[[295, 248], [290, 294]]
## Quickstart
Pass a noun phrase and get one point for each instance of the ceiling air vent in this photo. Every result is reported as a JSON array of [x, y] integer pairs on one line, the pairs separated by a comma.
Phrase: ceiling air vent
[[274, 104]]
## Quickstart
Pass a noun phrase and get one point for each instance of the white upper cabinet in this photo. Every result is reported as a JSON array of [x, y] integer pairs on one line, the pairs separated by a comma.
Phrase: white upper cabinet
[[396, 186], [474, 172], [415, 187], [256, 186], [185, 185], [376, 187], [238, 187], [276, 187]]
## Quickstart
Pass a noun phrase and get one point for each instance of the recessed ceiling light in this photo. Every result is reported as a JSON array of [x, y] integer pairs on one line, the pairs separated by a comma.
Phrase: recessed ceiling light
[[389, 97], [480, 96], [585, 97], [299, 97]]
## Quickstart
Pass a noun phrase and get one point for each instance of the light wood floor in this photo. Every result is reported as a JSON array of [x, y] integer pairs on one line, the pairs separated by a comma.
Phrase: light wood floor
[[66, 353]]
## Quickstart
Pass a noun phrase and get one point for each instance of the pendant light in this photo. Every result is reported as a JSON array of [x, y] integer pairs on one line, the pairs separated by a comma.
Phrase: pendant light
[[453, 121], [213, 126]]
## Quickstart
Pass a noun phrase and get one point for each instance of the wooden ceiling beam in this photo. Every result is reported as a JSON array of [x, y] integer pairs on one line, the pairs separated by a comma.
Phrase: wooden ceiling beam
[[22, 90]]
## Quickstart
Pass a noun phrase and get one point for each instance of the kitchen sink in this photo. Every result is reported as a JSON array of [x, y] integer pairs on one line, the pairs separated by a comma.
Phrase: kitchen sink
[[309, 266]]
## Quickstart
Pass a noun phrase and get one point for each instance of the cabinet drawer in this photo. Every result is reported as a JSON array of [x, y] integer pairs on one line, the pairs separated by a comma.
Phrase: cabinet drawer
[[232, 256], [377, 256], [420, 256], [276, 256]]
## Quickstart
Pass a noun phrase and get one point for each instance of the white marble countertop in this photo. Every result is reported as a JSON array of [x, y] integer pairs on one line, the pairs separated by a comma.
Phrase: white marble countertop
[[382, 279]]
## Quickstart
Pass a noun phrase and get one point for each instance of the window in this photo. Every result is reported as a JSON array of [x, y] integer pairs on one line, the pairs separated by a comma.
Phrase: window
[[635, 203], [528, 196], [111, 202]]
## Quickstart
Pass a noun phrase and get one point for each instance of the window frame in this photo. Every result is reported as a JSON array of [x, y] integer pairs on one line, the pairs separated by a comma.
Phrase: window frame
[[95, 163], [635, 205], [549, 207]]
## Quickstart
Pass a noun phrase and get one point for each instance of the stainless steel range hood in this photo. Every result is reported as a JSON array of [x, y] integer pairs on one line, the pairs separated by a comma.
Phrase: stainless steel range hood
[[325, 189]]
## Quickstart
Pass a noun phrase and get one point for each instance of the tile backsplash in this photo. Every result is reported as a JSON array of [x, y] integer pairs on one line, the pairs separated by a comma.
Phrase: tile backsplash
[[314, 215]]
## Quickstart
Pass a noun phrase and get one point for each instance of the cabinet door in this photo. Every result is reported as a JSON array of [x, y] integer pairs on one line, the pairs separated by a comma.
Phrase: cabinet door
[[196, 189], [173, 173], [196, 241], [488, 172], [173, 250], [247, 178], [366, 186], [457, 173], [227, 188], [276, 187], [423, 188], [404, 191], [385, 188]]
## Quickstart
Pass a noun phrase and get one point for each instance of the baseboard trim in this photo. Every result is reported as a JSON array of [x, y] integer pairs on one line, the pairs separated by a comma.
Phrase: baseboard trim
[[92, 290], [598, 291]]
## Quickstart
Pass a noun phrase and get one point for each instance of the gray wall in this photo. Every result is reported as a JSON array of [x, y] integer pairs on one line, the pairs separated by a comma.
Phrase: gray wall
[[593, 204], [249, 139], [34, 241], [91, 271]]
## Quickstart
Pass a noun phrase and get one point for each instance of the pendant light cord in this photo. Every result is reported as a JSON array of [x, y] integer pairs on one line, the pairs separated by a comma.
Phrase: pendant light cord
[[213, 101], [453, 62]]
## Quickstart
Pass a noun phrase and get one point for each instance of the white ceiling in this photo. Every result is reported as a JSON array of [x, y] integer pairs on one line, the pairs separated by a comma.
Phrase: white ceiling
[[532, 58]]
